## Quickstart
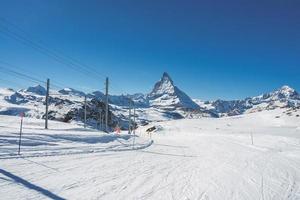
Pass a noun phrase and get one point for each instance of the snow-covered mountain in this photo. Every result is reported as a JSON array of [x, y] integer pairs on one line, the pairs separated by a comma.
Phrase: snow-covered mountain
[[121, 100], [167, 96], [284, 94], [280, 98], [39, 90], [71, 91]]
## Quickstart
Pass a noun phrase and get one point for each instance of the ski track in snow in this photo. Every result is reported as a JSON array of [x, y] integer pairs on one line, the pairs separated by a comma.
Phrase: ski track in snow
[[189, 159]]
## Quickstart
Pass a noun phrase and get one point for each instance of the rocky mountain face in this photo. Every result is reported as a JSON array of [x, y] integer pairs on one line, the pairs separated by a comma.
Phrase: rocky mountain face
[[139, 99], [95, 112], [164, 102], [166, 95], [39, 90]]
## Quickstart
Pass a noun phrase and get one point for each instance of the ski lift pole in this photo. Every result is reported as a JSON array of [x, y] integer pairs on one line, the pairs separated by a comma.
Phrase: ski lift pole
[[85, 111], [129, 117], [134, 126], [20, 137]]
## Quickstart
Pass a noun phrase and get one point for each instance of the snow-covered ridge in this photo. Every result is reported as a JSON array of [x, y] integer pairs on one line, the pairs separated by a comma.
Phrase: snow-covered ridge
[[71, 91], [282, 97]]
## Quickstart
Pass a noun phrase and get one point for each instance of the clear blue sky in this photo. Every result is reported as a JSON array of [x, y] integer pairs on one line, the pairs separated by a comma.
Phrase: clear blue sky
[[212, 49]]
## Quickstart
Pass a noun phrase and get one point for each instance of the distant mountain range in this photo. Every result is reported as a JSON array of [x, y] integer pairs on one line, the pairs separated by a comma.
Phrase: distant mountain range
[[283, 97], [166, 101]]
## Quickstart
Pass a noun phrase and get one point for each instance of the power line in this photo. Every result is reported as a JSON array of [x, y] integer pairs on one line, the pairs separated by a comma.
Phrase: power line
[[47, 53], [55, 84], [54, 54], [16, 67], [7, 22], [64, 60], [25, 76], [20, 75], [11, 82]]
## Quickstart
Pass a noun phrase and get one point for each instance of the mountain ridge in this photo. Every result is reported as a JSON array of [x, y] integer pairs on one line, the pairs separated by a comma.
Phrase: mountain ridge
[[284, 96], [164, 102]]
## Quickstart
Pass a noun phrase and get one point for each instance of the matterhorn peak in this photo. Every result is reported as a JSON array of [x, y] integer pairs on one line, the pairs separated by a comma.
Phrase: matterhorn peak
[[164, 86], [166, 94], [166, 77]]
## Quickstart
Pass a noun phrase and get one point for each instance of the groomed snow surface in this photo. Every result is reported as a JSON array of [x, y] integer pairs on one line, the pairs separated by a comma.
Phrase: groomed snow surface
[[189, 159]]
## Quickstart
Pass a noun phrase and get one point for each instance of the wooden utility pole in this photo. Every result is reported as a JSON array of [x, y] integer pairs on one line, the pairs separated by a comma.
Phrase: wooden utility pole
[[129, 120], [106, 105], [47, 104], [20, 137], [134, 125], [100, 121], [85, 111]]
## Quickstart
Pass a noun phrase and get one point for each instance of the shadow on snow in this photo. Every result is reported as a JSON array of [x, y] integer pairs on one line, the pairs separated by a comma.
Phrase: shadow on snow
[[31, 186]]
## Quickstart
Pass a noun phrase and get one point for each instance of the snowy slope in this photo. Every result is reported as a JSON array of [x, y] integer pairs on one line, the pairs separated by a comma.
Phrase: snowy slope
[[60, 139], [207, 158]]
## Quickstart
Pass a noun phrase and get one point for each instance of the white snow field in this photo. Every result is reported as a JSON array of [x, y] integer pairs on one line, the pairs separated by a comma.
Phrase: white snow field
[[205, 158]]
